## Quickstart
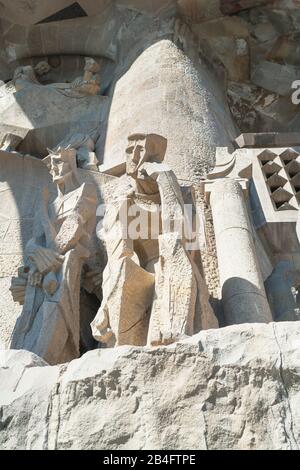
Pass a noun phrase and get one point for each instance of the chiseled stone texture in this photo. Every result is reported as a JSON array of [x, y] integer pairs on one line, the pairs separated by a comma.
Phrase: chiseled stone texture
[[232, 388]]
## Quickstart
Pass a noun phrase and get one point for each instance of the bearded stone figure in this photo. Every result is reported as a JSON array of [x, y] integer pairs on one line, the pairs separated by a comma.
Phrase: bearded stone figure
[[48, 285], [152, 290]]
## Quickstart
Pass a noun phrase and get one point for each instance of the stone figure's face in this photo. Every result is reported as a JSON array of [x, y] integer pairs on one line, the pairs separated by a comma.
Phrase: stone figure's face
[[42, 68], [135, 154], [144, 148], [60, 168], [62, 164], [91, 65]]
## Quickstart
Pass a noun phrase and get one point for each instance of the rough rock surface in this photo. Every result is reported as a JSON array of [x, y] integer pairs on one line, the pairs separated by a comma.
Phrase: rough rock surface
[[233, 388], [169, 86]]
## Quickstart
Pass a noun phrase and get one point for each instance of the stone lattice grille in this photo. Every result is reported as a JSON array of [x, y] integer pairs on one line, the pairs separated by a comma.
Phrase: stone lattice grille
[[281, 172]]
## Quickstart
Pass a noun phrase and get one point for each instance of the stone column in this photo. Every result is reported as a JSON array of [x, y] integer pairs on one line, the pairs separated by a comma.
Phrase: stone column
[[243, 294]]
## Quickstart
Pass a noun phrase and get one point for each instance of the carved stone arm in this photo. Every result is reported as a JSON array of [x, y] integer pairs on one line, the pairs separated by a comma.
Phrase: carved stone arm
[[172, 204], [73, 228], [70, 233]]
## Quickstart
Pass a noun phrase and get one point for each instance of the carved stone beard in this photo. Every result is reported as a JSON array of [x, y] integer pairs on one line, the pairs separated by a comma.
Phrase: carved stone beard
[[131, 168]]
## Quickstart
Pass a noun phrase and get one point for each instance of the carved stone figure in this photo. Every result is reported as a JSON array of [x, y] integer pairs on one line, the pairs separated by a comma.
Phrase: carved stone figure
[[91, 79], [49, 284], [149, 276], [88, 84]]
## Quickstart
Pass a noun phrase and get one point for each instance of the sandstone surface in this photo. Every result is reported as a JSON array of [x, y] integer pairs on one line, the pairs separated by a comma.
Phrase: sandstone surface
[[233, 388]]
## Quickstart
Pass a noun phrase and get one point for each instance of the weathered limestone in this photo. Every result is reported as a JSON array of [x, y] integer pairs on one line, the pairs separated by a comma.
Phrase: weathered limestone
[[88, 35], [43, 115], [229, 388], [228, 37], [243, 294], [109, 238]]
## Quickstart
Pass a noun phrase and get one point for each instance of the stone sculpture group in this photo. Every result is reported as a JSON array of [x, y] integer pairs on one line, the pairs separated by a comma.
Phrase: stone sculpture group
[[153, 291], [149, 224], [153, 287]]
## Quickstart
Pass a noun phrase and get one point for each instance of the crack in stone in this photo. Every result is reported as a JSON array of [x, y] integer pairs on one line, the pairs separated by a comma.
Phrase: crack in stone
[[286, 393], [205, 431], [53, 412]]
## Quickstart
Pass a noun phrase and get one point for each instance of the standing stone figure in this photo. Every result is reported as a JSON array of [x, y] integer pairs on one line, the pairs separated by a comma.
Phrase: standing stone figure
[[150, 284], [49, 284]]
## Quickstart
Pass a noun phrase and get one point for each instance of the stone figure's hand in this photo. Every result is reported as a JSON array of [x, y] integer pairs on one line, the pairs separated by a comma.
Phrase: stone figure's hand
[[35, 278], [46, 260], [18, 285]]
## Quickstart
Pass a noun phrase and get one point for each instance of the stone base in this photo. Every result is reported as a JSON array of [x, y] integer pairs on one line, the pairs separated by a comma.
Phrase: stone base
[[232, 388]]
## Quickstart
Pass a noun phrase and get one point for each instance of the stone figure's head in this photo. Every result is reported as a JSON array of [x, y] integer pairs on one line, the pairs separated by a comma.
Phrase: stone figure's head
[[143, 148], [42, 68], [62, 165], [91, 65]]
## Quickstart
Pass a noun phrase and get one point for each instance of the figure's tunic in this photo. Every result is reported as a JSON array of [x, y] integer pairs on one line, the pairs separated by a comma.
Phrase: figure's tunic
[[49, 323]]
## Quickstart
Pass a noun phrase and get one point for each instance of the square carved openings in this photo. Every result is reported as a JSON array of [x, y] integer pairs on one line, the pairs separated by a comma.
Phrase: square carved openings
[[281, 172]]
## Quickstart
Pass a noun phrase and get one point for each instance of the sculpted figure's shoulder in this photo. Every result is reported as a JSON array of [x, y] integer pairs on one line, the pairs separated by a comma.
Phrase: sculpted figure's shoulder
[[86, 200]]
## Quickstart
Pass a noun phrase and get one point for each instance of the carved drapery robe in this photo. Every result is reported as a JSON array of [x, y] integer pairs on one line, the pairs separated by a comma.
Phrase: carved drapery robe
[[150, 280]]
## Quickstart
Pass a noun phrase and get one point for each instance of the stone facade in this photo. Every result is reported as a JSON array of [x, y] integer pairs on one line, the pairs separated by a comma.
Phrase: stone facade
[[150, 224]]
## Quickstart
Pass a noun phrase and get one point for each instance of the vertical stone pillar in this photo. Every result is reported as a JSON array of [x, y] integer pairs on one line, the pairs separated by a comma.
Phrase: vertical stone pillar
[[243, 294]]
